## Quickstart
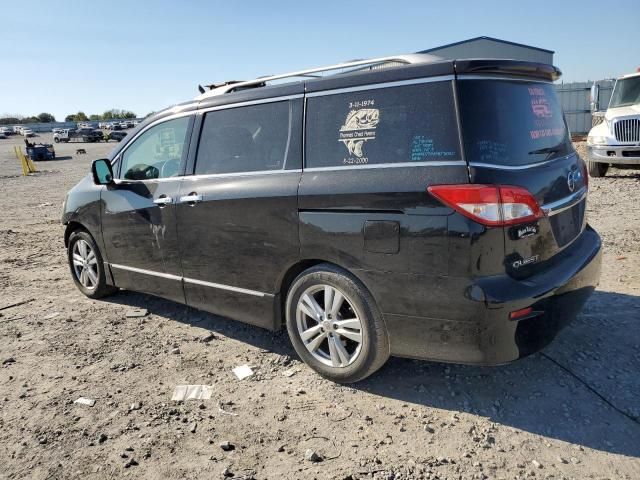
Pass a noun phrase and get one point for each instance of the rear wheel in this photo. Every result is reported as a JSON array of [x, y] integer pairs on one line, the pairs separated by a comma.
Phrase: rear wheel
[[335, 326], [87, 267], [597, 169]]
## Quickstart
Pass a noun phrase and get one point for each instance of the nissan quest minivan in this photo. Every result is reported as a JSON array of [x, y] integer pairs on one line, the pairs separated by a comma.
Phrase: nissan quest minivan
[[407, 206]]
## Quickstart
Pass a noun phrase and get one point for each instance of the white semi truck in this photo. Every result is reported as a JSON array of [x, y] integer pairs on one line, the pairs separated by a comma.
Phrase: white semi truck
[[616, 141]]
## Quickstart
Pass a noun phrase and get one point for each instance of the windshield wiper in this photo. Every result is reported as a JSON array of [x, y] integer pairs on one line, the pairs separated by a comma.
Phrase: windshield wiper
[[554, 149]]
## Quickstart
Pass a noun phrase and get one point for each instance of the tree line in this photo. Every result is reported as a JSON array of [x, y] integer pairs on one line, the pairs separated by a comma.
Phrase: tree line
[[45, 117], [112, 114]]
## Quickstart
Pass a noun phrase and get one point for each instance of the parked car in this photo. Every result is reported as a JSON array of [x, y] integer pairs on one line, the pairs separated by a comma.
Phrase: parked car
[[117, 136], [2, 134], [124, 125], [6, 131], [17, 129], [27, 132], [387, 216], [81, 135], [616, 141]]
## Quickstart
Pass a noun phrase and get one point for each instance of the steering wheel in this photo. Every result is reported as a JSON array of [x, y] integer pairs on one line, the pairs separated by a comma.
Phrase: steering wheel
[[169, 169]]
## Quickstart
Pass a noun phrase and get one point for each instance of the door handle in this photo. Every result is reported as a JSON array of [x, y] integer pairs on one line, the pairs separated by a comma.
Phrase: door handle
[[192, 198], [163, 201]]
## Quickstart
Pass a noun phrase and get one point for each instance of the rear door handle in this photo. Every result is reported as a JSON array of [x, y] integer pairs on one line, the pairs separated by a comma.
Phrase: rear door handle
[[191, 198], [163, 200]]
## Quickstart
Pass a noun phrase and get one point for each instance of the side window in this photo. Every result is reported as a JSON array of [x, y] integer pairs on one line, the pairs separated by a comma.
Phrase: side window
[[413, 123], [249, 139], [157, 153]]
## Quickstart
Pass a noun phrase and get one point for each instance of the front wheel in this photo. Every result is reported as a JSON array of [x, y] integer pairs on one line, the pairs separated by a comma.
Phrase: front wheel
[[335, 325], [56, 139], [597, 169], [87, 267]]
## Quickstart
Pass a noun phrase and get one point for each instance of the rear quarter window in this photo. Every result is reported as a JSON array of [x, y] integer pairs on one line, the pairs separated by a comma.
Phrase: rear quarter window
[[405, 124]]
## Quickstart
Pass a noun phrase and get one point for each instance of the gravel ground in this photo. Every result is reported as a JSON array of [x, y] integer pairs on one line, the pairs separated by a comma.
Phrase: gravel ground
[[571, 412]]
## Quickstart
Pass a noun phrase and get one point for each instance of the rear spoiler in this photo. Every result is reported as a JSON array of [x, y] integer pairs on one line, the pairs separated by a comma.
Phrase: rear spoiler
[[517, 68]]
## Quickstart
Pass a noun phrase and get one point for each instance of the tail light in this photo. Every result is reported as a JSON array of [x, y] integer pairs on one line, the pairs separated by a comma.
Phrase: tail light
[[585, 173], [491, 205]]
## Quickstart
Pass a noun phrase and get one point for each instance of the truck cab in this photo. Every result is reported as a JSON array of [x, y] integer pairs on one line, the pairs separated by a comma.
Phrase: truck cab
[[616, 141]]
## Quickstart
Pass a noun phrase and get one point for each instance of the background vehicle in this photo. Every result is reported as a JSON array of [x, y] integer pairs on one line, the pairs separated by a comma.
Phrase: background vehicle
[[616, 141], [41, 151], [387, 216], [2, 135], [27, 132], [17, 129], [118, 136], [6, 131], [81, 135]]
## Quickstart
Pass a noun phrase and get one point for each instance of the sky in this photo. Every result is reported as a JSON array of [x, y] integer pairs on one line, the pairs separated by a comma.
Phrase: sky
[[65, 56]]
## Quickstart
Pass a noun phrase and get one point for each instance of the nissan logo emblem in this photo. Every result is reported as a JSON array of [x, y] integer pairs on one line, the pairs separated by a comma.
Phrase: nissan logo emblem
[[572, 178]]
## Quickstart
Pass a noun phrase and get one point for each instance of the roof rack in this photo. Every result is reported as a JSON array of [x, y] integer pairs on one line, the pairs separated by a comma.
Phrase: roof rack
[[355, 65]]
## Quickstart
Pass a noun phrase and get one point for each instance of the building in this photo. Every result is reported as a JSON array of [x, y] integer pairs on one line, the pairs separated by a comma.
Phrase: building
[[488, 47]]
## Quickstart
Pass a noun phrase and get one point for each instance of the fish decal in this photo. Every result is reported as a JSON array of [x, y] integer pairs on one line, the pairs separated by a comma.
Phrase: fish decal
[[359, 127]]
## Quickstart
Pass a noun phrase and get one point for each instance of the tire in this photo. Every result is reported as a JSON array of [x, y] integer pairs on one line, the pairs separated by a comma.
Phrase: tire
[[597, 169], [93, 286], [347, 360], [56, 139]]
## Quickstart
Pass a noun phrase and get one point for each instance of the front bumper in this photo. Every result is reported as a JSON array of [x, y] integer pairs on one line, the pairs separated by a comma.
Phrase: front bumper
[[487, 336], [615, 154]]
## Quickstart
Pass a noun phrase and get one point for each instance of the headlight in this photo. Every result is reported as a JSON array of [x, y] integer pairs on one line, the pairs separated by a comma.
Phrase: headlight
[[596, 140]]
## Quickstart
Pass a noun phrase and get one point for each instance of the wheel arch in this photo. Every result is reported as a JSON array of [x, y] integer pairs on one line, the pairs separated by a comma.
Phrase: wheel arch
[[296, 269], [72, 226]]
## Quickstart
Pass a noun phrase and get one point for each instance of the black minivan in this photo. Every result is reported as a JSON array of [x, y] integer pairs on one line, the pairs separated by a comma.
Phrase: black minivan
[[407, 206]]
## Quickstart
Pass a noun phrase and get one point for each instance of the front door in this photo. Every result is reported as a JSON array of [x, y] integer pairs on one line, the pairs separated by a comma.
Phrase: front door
[[238, 215], [139, 212]]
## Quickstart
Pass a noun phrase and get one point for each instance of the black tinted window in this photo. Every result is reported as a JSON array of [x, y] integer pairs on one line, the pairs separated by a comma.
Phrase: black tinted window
[[511, 122], [413, 123], [247, 139]]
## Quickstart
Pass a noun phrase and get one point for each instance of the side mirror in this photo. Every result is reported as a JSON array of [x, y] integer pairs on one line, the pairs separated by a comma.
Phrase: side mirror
[[594, 96], [102, 172]]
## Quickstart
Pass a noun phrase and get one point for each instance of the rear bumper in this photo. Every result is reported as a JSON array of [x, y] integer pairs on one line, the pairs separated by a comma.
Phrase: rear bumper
[[615, 154], [486, 335]]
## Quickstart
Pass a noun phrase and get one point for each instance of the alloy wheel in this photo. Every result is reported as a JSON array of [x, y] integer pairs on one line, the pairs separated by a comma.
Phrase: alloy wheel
[[329, 326], [85, 264]]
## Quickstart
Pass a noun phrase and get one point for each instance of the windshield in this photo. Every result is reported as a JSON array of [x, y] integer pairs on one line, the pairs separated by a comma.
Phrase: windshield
[[511, 123], [626, 92]]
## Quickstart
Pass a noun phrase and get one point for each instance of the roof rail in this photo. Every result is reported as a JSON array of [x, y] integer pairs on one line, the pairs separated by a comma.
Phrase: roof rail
[[227, 87]]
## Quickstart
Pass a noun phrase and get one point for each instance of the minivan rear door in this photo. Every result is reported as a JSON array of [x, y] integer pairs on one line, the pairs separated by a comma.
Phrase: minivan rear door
[[514, 133]]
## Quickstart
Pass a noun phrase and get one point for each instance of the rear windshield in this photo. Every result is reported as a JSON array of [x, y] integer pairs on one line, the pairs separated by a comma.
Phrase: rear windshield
[[511, 123]]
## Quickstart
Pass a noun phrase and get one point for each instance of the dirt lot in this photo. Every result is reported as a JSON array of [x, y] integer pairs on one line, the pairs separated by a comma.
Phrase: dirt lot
[[572, 412]]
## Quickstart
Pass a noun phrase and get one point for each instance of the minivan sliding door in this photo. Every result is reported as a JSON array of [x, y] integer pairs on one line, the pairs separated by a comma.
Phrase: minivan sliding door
[[237, 215]]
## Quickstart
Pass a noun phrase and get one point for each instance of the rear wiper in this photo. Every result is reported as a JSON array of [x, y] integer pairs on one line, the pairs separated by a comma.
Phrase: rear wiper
[[553, 149]]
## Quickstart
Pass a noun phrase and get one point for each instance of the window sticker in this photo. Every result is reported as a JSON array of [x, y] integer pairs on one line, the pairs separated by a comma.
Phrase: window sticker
[[423, 147], [543, 113], [359, 127], [491, 152]]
